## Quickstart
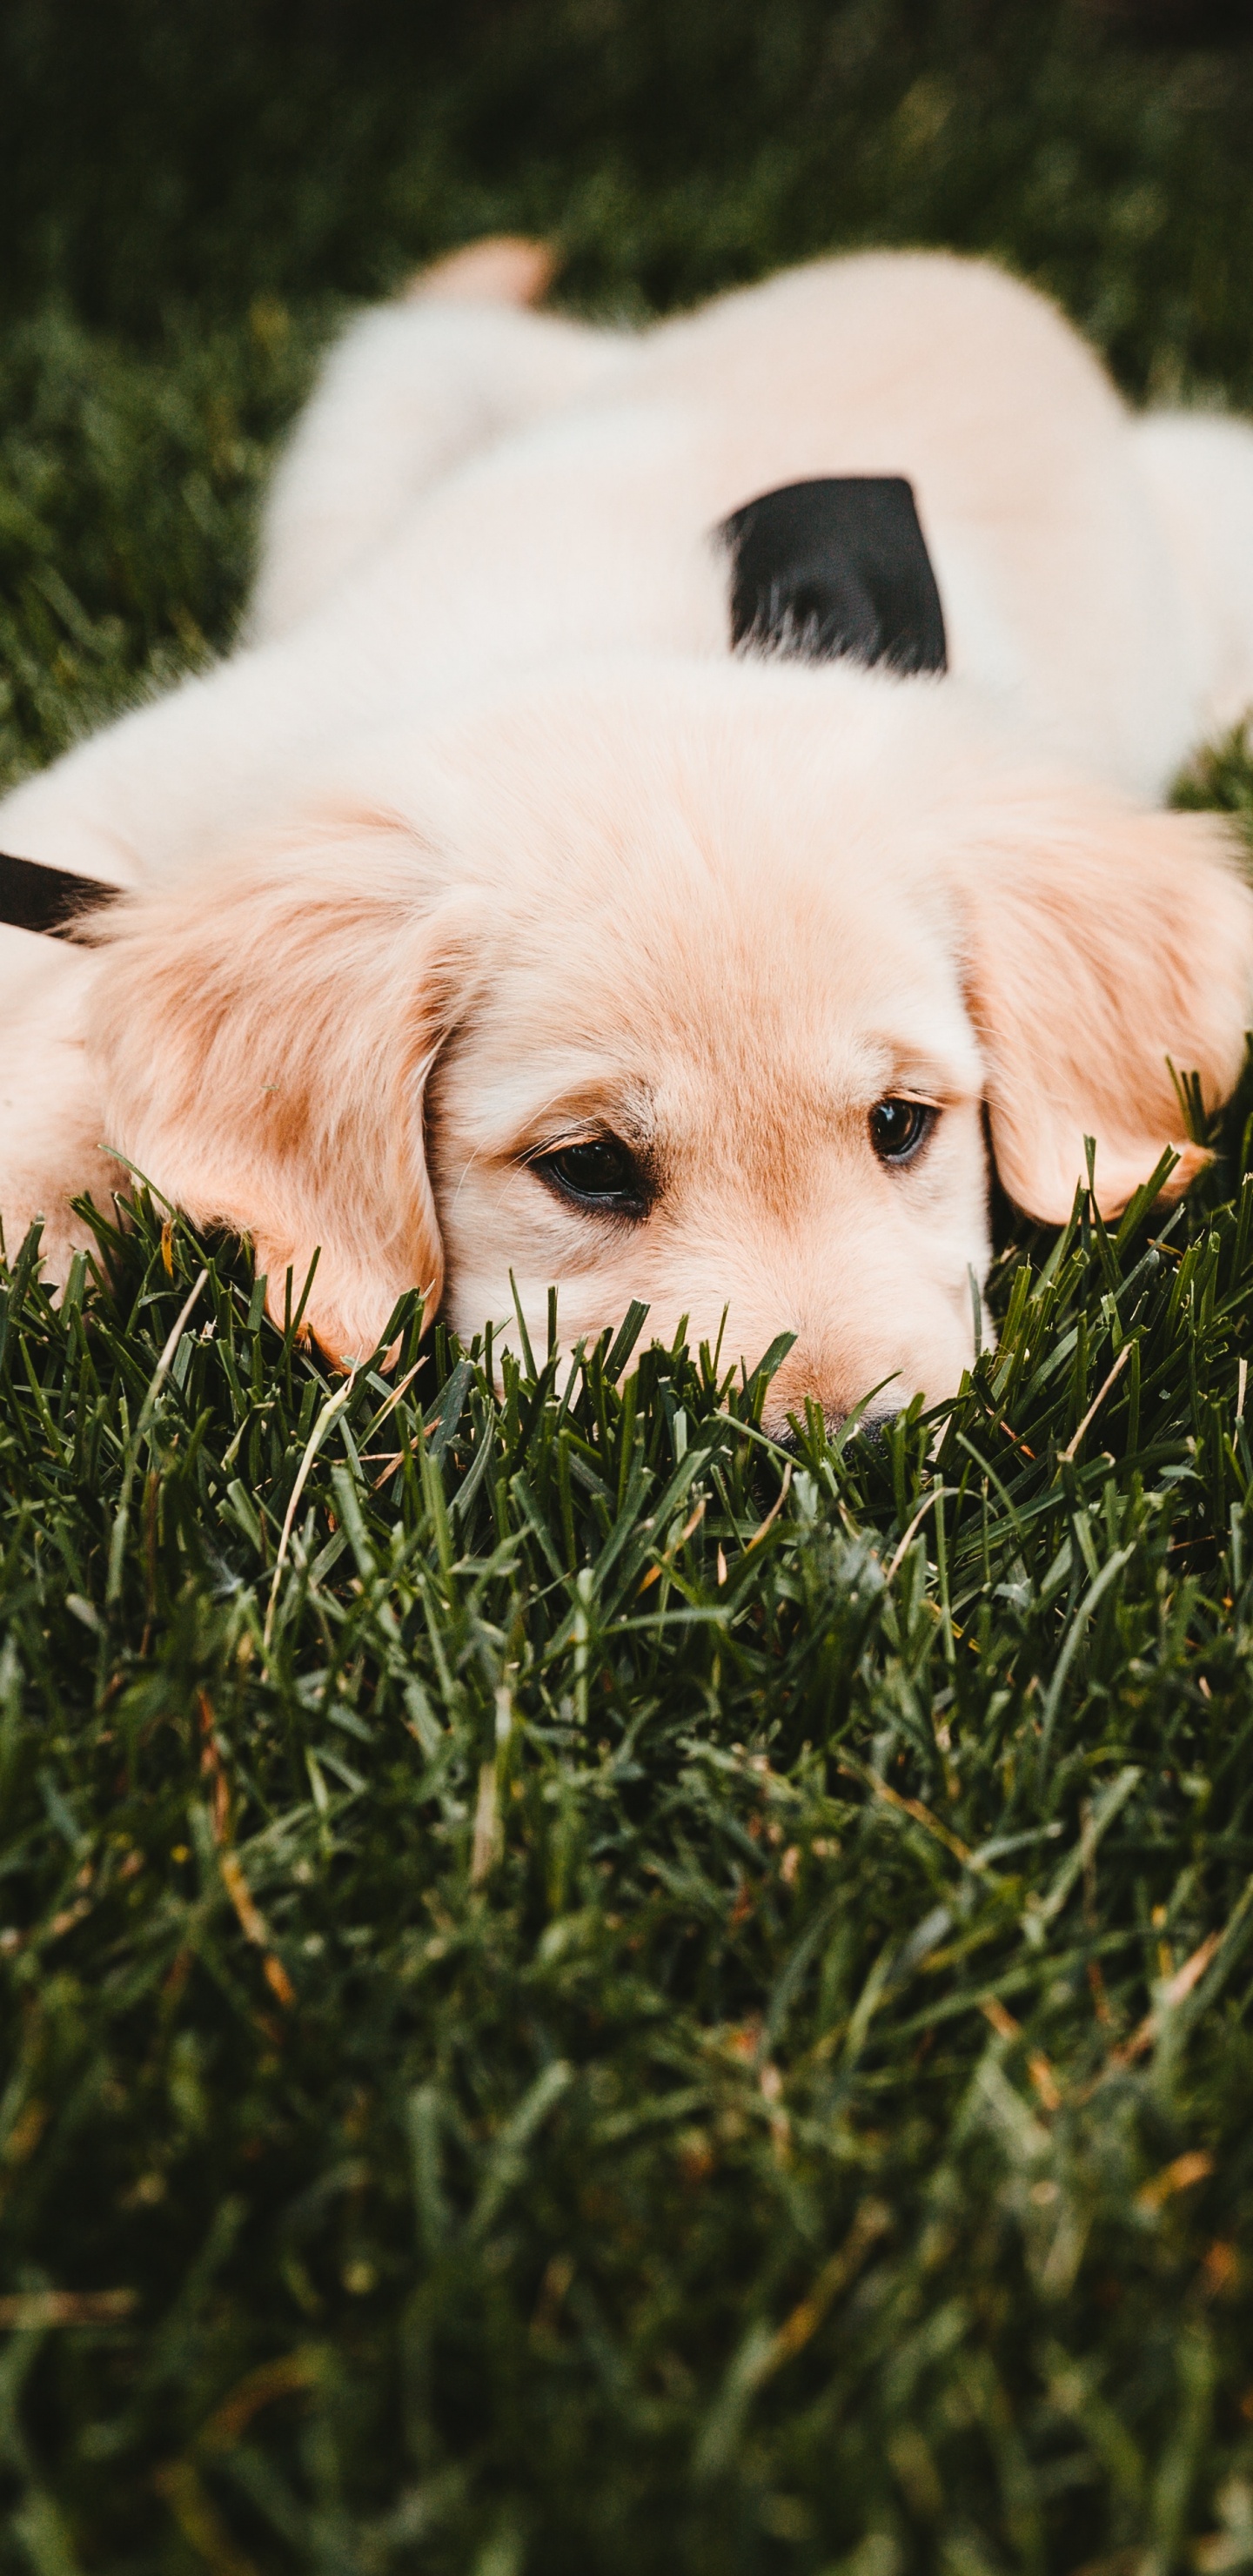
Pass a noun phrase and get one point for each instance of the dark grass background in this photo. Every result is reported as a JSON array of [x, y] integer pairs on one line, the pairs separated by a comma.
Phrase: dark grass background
[[567, 2008]]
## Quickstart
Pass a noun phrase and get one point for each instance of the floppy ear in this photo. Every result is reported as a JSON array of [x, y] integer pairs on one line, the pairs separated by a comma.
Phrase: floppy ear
[[1101, 942], [265, 1036]]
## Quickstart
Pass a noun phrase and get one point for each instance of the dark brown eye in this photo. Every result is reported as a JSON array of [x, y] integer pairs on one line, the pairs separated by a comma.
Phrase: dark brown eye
[[899, 1128], [602, 1174]]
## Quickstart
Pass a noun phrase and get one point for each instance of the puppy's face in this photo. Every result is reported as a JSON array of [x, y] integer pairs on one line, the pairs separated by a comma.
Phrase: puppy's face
[[690, 985], [748, 1096]]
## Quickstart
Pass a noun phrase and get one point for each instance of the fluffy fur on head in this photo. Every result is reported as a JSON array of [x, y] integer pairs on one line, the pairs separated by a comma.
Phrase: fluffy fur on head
[[715, 914]]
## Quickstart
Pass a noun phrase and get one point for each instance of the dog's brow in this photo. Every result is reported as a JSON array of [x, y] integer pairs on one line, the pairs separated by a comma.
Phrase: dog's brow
[[545, 1106], [600, 1102], [953, 1076]]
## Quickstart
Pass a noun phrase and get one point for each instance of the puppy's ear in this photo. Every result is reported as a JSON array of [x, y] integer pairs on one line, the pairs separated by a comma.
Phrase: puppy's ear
[[265, 1037], [1103, 941]]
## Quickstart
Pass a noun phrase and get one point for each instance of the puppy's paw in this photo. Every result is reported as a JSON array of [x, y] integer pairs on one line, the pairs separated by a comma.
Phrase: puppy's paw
[[506, 269]]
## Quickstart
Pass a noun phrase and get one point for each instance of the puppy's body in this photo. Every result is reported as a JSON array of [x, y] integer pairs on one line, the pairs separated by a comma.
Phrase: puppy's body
[[480, 497], [479, 489]]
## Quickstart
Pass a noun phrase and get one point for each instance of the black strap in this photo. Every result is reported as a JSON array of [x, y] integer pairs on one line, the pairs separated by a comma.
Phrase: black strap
[[836, 566], [33, 897]]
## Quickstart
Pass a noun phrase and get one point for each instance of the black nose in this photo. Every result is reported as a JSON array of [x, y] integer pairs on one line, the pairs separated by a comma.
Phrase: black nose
[[871, 1426]]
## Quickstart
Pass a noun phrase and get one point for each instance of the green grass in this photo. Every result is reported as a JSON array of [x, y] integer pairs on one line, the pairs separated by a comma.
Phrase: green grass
[[575, 2003]]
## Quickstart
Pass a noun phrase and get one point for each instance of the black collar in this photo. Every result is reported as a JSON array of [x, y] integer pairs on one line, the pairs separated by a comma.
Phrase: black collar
[[33, 897], [836, 567]]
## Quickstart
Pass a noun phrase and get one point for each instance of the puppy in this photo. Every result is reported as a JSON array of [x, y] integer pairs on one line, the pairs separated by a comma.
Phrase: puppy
[[494, 923]]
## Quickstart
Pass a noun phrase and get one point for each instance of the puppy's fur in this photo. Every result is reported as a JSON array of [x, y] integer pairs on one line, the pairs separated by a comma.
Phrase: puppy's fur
[[483, 845]]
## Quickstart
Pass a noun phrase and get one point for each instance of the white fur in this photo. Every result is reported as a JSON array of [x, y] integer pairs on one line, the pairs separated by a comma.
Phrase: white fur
[[477, 496]]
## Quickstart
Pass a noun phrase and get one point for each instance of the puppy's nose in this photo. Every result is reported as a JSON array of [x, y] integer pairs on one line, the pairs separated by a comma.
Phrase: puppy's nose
[[869, 1426], [872, 1426]]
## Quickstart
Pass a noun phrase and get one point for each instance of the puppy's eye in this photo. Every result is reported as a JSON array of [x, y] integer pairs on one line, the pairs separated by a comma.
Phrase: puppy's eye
[[601, 1174], [899, 1128]]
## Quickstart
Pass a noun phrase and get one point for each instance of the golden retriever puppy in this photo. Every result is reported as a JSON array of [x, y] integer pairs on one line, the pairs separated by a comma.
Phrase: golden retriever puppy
[[495, 922]]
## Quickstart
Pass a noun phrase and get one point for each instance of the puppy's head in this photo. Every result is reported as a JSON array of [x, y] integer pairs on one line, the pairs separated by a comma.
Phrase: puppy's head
[[689, 985]]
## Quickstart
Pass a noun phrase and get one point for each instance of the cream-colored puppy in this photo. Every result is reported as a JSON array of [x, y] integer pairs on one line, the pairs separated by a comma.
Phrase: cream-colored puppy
[[492, 918]]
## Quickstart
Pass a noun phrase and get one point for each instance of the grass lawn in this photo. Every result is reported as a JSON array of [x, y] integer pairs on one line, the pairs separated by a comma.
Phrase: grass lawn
[[575, 2005]]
